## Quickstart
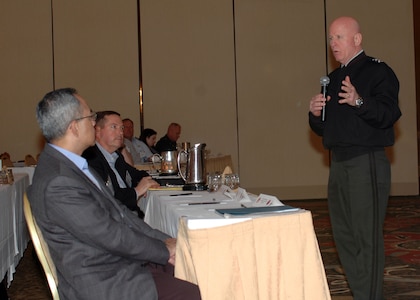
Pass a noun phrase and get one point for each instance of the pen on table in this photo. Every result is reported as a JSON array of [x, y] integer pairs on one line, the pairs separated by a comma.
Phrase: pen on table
[[200, 203], [184, 194]]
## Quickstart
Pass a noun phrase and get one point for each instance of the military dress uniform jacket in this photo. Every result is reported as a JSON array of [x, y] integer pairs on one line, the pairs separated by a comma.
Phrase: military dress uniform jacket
[[371, 125]]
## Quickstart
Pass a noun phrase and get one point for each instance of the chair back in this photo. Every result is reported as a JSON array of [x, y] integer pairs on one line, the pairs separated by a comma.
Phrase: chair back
[[30, 160], [5, 159], [6, 162], [219, 164], [41, 249]]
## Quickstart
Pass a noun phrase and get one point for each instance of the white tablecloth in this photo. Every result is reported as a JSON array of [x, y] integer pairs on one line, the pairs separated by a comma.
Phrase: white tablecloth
[[163, 211], [13, 231], [22, 170]]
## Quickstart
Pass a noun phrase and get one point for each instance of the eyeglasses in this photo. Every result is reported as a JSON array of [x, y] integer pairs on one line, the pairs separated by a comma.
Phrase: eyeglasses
[[92, 117]]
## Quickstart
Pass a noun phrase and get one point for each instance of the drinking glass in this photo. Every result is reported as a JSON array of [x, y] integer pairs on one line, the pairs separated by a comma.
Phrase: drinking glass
[[232, 181], [214, 182]]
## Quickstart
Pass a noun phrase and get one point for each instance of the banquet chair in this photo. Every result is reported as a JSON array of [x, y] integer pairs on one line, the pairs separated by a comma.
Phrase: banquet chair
[[218, 164], [5, 155], [41, 249], [6, 162], [30, 160], [5, 159]]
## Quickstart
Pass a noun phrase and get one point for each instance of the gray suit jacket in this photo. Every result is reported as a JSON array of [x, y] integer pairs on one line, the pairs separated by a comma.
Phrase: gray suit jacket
[[99, 247]]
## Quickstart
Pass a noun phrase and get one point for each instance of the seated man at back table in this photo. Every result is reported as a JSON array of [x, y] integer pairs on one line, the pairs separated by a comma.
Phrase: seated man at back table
[[100, 249], [125, 182], [168, 142], [132, 144]]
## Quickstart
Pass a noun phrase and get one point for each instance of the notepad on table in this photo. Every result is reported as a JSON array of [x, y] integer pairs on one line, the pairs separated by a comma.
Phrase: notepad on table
[[167, 188]]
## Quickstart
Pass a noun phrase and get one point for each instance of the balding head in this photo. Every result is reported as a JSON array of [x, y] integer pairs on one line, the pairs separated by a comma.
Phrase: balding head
[[174, 131], [345, 39]]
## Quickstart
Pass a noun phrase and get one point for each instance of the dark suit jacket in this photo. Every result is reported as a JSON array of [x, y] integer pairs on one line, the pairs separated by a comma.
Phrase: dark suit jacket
[[98, 246], [165, 144], [127, 195]]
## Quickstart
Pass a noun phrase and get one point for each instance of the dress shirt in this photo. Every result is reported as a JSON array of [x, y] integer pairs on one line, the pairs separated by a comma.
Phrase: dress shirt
[[79, 161], [111, 158], [133, 148]]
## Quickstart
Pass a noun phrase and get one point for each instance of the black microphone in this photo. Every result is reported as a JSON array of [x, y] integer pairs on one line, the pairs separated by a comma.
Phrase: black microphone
[[325, 80]]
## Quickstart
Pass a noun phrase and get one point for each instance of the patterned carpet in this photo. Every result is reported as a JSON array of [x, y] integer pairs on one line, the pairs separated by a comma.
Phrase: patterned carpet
[[402, 239], [402, 248], [29, 281]]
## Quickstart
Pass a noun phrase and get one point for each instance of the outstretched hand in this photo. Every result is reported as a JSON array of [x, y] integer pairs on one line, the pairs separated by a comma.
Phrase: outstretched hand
[[349, 93]]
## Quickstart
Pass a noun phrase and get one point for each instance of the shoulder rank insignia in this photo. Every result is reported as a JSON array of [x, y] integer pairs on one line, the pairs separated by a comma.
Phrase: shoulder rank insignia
[[377, 60]]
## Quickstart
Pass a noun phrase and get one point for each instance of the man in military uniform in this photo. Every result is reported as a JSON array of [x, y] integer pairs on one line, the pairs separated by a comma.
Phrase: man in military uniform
[[361, 107]]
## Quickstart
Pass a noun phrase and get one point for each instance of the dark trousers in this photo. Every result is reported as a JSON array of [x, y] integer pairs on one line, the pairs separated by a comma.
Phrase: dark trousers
[[358, 191], [171, 288]]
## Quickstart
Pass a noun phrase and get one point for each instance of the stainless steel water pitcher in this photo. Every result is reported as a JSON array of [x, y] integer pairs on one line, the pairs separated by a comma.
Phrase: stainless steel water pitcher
[[195, 166], [168, 162]]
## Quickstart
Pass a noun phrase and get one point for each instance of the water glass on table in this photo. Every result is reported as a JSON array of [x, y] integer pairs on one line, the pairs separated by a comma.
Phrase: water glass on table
[[214, 182], [232, 181]]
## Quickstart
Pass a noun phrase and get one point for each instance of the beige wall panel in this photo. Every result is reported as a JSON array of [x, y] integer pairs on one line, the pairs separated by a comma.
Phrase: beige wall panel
[[389, 36], [25, 73], [239, 83], [280, 59], [188, 71], [96, 51]]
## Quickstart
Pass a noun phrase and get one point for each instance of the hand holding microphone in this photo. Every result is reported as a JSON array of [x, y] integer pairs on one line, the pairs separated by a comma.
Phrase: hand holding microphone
[[325, 80]]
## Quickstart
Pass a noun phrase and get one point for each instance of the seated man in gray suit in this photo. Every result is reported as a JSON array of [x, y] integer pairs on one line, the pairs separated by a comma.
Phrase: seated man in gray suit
[[101, 250]]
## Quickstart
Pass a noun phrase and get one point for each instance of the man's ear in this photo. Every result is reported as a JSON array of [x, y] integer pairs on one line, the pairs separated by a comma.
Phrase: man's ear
[[74, 128], [358, 39], [97, 131]]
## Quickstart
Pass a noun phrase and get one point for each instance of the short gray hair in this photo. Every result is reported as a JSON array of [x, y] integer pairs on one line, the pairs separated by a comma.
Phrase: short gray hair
[[55, 112]]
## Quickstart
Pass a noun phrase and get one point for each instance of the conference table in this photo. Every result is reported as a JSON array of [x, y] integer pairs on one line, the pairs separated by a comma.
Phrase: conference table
[[30, 170], [258, 256], [14, 235]]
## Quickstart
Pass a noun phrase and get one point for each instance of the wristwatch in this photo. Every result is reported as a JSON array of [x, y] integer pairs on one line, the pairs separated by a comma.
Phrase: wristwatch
[[359, 102]]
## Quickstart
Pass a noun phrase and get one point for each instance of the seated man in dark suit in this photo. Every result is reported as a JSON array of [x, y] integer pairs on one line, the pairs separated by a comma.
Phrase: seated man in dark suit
[[126, 182], [168, 141], [100, 249]]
